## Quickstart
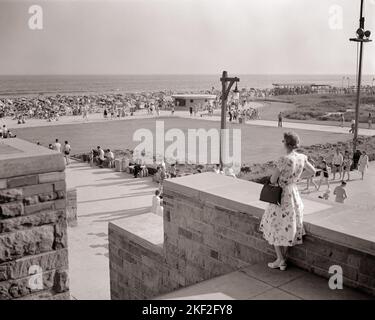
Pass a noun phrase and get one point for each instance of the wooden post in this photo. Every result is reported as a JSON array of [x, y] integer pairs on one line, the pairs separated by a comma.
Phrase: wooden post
[[223, 114]]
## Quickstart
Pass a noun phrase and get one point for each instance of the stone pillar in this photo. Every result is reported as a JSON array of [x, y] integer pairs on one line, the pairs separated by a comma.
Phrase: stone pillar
[[33, 226]]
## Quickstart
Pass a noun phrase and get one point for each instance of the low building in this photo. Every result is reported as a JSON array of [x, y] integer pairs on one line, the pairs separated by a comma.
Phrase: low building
[[299, 87], [187, 101]]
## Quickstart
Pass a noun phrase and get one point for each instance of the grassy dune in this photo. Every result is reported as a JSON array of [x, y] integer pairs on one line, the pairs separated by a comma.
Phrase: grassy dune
[[321, 107]]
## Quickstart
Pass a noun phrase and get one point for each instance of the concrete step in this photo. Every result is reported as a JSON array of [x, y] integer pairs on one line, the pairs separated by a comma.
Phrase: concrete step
[[258, 282]]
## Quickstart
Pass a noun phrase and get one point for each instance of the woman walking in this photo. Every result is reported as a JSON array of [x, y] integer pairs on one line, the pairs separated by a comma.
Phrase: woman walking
[[347, 164], [282, 225], [363, 163]]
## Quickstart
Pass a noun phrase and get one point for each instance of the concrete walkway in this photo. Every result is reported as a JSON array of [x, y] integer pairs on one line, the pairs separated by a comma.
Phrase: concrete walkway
[[288, 125], [98, 117], [103, 195], [258, 282], [309, 126], [92, 118]]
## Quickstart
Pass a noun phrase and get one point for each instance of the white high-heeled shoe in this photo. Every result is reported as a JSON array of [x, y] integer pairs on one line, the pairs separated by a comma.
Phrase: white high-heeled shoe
[[278, 265]]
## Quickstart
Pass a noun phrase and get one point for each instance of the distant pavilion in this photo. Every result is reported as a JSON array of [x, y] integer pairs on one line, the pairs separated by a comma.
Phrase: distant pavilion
[[318, 88], [187, 101]]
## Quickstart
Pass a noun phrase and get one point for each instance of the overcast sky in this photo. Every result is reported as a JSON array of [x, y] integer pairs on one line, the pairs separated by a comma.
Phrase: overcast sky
[[183, 37]]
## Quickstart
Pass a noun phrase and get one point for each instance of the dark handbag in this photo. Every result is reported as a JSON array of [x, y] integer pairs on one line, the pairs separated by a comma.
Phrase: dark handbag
[[271, 194]]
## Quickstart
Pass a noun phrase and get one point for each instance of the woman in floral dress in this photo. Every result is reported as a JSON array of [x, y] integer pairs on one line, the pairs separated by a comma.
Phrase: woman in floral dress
[[282, 225]]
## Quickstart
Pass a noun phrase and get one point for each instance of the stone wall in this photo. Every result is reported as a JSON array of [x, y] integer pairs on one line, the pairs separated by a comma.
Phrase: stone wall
[[33, 226], [137, 264], [210, 229], [71, 207]]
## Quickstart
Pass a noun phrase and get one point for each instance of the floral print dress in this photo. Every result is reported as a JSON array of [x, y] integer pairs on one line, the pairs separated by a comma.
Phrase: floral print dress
[[282, 225]]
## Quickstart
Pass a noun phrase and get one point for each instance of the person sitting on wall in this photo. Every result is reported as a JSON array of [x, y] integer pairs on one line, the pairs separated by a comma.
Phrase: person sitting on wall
[[100, 156], [139, 163], [172, 171], [93, 156], [109, 158], [157, 207], [228, 171], [11, 135]]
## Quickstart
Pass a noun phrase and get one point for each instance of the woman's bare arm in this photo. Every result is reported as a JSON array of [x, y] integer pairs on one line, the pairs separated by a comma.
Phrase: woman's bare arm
[[275, 176], [310, 168]]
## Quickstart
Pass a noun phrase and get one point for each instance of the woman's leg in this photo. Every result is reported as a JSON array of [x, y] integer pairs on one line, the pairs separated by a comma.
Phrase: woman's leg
[[279, 253], [343, 175]]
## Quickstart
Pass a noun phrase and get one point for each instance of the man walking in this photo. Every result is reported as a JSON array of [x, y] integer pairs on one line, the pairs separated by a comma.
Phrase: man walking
[[369, 121], [352, 126], [57, 146], [337, 163], [66, 150], [342, 120], [280, 120]]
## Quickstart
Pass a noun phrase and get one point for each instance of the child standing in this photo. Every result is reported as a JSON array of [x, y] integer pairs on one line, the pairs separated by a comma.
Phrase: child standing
[[324, 174], [340, 192]]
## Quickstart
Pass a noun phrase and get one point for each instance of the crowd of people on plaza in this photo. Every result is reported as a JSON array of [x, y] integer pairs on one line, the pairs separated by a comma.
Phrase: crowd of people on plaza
[[242, 113], [341, 166]]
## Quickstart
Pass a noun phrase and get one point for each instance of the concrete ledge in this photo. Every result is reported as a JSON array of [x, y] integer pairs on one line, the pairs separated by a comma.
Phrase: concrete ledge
[[336, 223], [144, 229], [21, 158]]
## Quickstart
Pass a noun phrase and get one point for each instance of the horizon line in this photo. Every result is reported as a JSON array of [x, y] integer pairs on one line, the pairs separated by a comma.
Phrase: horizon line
[[184, 74]]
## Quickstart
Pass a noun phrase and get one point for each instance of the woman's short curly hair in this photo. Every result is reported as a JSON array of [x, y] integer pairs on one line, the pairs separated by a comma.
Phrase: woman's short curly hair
[[291, 140]]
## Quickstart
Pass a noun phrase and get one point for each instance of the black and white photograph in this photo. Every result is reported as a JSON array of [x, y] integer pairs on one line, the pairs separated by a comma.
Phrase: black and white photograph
[[167, 151]]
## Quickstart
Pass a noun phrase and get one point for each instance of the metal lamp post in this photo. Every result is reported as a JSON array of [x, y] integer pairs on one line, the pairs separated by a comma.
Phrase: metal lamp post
[[362, 37], [226, 85]]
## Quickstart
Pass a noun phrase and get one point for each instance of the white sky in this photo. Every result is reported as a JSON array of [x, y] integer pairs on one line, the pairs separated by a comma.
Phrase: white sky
[[183, 37]]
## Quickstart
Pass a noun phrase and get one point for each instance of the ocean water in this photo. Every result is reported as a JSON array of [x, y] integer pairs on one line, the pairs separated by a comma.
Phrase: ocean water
[[26, 85]]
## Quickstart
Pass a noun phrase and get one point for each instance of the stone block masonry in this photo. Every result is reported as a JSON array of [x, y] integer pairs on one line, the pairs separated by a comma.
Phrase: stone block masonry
[[71, 207], [33, 224], [210, 228]]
